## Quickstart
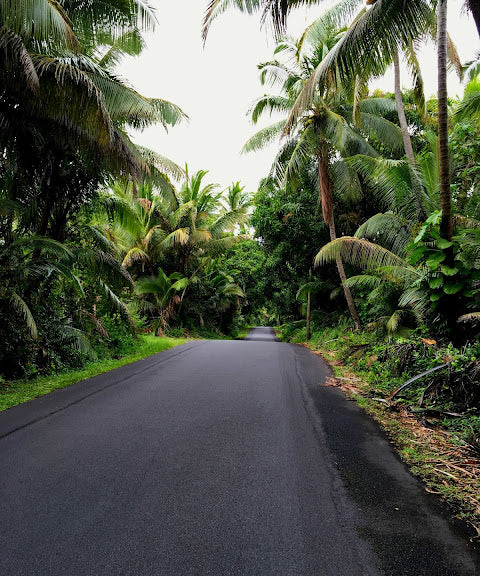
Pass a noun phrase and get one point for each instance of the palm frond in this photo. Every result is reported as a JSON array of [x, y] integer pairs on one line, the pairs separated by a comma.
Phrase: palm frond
[[454, 61], [470, 105], [358, 252], [346, 181], [161, 163], [264, 137], [97, 323], [217, 7], [269, 104], [300, 155], [118, 305], [178, 236], [387, 132], [21, 308], [76, 338], [388, 230], [218, 246], [390, 180], [367, 47], [135, 254], [51, 21], [418, 86], [364, 281], [228, 220], [471, 317], [378, 106], [200, 235], [17, 67], [131, 42]]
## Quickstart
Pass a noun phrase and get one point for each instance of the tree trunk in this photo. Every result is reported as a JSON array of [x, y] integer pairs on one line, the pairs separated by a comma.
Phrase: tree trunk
[[326, 199], [407, 141], [445, 195]]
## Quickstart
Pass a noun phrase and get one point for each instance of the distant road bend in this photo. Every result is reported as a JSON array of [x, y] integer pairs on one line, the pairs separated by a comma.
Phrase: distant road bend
[[217, 458]]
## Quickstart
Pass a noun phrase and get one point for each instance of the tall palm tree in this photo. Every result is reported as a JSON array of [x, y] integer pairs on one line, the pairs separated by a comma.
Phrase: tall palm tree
[[374, 39], [327, 129], [445, 195]]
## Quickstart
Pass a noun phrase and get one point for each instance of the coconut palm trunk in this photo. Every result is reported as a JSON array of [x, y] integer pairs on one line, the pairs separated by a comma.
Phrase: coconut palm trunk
[[445, 194], [407, 141], [326, 199]]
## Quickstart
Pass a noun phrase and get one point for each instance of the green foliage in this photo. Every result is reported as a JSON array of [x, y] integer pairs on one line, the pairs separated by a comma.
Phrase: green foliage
[[289, 229], [64, 117], [450, 278], [466, 162], [13, 392], [119, 339]]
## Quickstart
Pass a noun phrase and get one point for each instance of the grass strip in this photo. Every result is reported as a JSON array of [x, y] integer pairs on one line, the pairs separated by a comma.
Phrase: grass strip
[[19, 391]]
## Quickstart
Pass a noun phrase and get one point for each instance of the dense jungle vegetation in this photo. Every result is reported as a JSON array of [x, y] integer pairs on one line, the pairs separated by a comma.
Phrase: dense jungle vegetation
[[366, 228]]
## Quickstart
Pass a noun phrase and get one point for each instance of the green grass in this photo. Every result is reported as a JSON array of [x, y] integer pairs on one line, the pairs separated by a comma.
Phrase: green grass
[[241, 332], [19, 391]]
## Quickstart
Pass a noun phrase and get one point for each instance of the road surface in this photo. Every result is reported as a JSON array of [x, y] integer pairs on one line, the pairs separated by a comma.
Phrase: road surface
[[214, 458]]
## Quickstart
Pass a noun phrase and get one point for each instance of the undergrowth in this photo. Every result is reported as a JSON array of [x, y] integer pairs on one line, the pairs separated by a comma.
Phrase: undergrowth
[[15, 392], [434, 422]]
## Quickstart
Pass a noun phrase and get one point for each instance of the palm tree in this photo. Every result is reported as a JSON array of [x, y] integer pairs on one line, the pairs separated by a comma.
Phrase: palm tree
[[445, 195], [61, 142], [194, 222], [392, 281], [158, 222], [163, 290], [327, 128], [373, 40]]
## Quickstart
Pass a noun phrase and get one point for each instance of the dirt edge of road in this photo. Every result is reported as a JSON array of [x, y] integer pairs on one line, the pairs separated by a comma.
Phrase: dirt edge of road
[[446, 467]]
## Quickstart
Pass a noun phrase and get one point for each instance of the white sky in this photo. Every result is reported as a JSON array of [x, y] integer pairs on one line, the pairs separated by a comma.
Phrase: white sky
[[217, 84]]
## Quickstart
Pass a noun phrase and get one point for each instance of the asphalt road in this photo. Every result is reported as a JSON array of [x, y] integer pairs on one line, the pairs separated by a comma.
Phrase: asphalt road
[[215, 458]]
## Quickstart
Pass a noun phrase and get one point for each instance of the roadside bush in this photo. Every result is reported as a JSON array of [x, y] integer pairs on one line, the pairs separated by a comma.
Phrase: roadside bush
[[120, 339]]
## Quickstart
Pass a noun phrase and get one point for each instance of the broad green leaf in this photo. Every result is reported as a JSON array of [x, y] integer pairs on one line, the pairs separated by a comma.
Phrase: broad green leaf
[[443, 244], [453, 288], [417, 254], [435, 282], [435, 259], [447, 271]]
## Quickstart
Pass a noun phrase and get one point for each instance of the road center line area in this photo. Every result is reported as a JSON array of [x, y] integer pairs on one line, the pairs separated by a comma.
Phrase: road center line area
[[216, 458]]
